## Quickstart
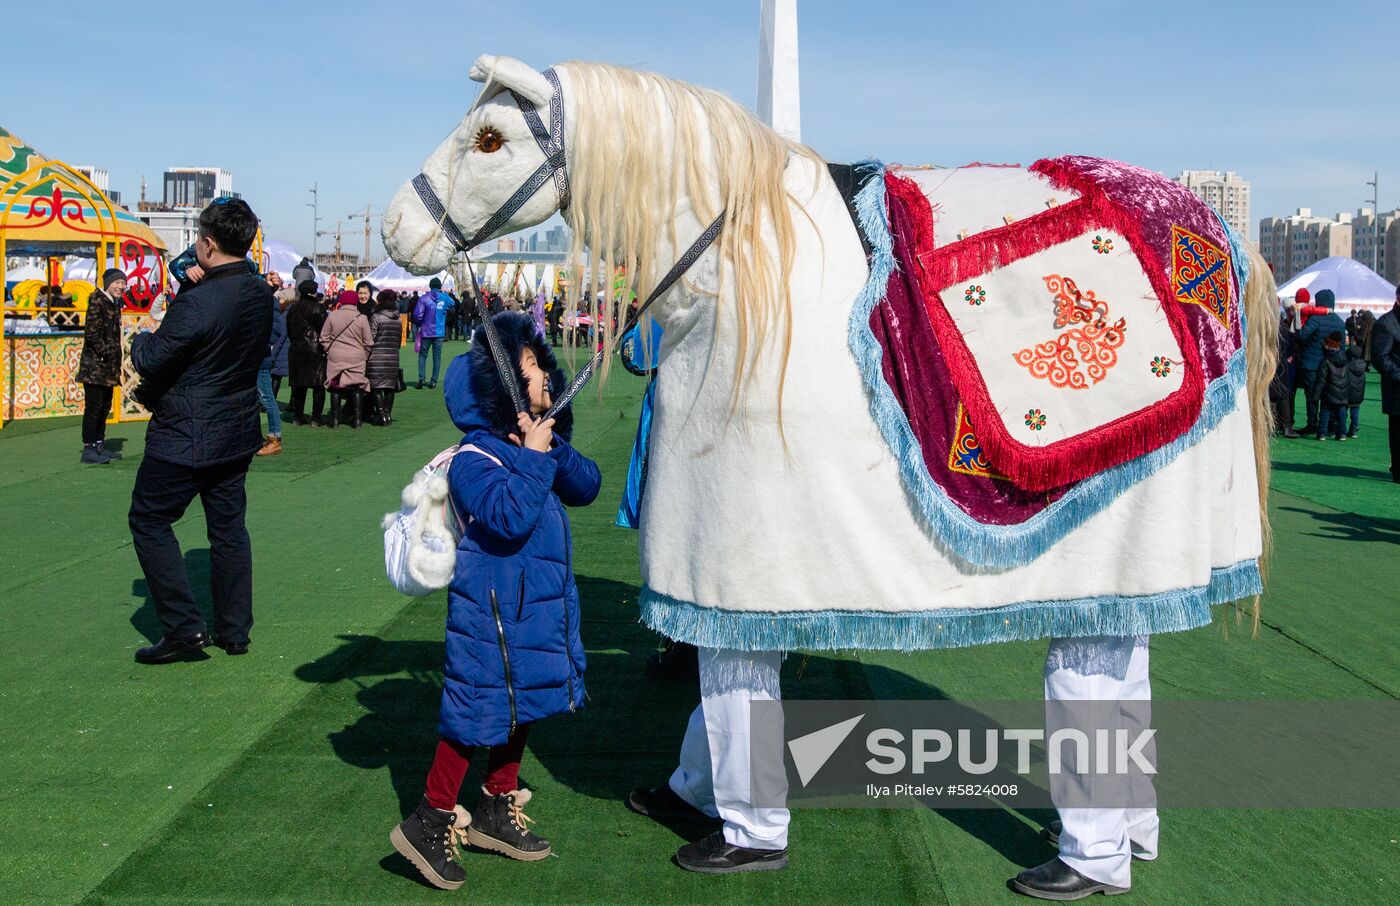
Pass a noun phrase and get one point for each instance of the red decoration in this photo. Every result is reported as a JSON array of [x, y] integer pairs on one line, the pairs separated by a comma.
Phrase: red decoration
[[1042, 468], [1094, 347]]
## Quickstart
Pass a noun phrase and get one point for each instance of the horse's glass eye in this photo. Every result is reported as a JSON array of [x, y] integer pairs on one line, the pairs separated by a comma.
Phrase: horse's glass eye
[[489, 141]]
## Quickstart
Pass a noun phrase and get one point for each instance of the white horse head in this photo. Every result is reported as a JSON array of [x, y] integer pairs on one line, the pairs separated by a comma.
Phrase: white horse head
[[475, 169]]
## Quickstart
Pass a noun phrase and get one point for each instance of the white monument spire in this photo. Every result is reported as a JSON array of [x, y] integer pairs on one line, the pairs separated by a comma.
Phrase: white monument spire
[[778, 95]]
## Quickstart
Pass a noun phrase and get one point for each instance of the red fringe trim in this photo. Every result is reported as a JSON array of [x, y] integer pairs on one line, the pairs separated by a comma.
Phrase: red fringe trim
[[1076, 458]]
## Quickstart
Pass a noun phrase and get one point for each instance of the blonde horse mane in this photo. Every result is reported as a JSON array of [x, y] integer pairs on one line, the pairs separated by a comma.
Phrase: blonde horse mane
[[1261, 358], [643, 147]]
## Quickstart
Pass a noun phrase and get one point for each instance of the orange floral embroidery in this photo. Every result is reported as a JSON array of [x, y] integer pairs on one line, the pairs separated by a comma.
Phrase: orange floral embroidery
[[1082, 356]]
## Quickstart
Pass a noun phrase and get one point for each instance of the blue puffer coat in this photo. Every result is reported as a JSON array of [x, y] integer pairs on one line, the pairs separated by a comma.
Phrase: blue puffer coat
[[514, 653]]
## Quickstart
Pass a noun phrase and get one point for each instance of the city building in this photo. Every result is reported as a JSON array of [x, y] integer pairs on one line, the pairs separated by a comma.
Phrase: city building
[[1291, 244], [196, 187], [1226, 192], [177, 228], [1300, 240], [99, 177], [1375, 241]]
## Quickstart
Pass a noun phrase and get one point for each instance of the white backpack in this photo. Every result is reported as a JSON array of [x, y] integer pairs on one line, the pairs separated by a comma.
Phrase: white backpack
[[420, 540]]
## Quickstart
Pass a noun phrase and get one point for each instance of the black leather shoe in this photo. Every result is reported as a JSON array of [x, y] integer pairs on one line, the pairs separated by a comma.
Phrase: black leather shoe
[[233, 648], [1057, 881], [663, 804], [714, 856], [168, 651]]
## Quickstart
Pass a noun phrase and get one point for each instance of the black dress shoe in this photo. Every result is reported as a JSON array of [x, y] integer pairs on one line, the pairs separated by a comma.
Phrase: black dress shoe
[[233, 648], [168, 650], [1057, 881], [714, 856], [662, 804]]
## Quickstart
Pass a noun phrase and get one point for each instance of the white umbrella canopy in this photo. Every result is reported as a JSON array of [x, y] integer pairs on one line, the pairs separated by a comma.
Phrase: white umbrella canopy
[[1354, 284]]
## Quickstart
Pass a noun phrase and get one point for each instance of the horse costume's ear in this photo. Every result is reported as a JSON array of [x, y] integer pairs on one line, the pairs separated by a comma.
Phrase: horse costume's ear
[[513, 74]]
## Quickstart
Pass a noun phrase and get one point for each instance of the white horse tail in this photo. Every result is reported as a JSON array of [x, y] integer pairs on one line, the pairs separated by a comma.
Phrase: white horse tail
[[1261, 313]]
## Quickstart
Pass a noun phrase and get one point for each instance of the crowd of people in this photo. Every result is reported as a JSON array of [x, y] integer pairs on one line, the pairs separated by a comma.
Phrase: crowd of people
[[1328, 360], [343, 349]]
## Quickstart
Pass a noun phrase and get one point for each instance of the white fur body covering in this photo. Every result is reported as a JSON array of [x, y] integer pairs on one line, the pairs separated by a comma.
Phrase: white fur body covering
[[734, 522]]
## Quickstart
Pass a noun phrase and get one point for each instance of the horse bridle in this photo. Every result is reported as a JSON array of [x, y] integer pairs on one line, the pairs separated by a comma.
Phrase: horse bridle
[[554, 167]]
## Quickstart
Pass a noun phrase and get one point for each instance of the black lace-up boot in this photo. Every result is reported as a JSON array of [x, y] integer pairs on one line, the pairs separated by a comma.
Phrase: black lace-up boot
[[429, 839], [502, 826]]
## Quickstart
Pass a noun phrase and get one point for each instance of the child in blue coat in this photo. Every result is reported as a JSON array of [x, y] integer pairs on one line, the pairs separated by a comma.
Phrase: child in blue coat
[[514, 654]]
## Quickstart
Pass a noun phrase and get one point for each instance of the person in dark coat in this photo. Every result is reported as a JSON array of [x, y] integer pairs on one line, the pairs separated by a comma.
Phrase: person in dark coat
[[1310, 339], [1385, 358], [1356, 388], [1281, 392], [382, 367], [514, 654], [306, 362], [281, 348], [1332, 376], [100, 368], [199, 379]]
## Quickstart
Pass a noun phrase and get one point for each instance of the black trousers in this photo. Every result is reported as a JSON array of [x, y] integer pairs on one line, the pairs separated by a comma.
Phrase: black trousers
[[1394, 419], [97, 403], [162, 493], [318, 402], [1311, 381]]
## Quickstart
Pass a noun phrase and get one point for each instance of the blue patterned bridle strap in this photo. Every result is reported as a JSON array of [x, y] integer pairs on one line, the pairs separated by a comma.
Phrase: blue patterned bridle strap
[[554, 167]]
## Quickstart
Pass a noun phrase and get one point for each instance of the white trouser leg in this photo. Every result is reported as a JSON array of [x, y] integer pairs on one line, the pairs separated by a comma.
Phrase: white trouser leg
[[1142, 818], [1096, 841], [729, 681], [693, 779]]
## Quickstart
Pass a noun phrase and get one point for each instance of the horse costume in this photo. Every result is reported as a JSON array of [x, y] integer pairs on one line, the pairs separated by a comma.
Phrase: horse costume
[[899, 407]]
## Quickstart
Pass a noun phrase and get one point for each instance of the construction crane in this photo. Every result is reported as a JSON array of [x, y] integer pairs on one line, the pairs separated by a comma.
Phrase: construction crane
[[367, 218], [339, 259]]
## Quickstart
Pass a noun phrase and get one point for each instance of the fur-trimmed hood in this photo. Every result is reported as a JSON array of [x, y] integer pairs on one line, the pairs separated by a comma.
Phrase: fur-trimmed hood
[[475, 397]]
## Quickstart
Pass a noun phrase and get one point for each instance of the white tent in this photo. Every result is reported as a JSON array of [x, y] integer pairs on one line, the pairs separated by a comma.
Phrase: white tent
[[282, 257], [390, 276], [26, 272], [1355, 285]]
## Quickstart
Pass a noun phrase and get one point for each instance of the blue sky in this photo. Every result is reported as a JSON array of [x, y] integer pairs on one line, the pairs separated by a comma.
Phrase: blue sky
[[1303, 99]]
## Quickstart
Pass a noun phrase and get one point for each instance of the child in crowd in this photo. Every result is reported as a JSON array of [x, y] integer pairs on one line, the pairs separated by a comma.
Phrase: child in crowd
[[1333, 375], [514, 654], [1356, 387]]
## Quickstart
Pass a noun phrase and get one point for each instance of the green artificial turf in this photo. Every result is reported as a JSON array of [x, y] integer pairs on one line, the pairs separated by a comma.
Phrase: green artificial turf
[[275, 778]]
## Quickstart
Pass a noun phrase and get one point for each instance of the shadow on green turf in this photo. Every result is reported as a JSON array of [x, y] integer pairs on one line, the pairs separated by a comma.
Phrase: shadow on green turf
[[1332, 471], [197, 568], [399, 687], [1350, 527]]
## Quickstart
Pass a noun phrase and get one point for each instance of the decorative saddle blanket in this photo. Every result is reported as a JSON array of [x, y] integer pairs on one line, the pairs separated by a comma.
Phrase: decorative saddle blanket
[[1036, 340]]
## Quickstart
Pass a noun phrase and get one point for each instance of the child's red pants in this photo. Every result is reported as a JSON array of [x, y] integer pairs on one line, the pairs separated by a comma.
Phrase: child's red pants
[[452, 759]]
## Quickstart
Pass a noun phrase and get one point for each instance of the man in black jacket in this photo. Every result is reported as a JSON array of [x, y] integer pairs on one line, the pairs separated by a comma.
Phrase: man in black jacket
[[199, 379], [1385, 356]]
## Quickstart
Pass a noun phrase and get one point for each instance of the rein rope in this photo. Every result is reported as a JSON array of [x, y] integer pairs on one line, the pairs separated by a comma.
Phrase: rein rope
[[551, 142]]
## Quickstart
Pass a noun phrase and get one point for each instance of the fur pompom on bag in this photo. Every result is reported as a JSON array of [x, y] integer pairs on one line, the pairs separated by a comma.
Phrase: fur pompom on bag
[[420, 540]]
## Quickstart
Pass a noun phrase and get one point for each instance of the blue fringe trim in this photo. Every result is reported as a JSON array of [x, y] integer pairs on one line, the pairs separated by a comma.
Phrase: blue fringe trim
[[1238, 256], [996, 546], [828, 630]]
